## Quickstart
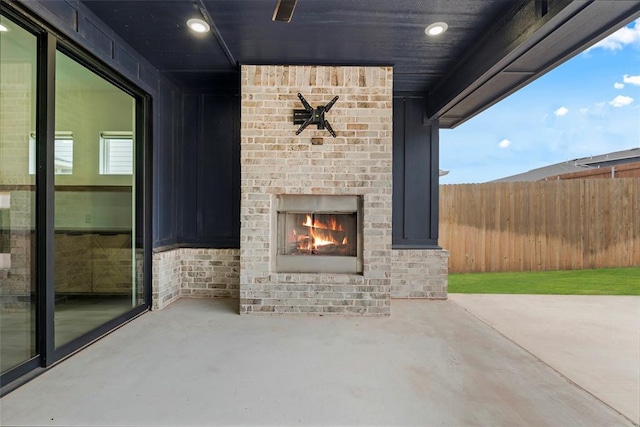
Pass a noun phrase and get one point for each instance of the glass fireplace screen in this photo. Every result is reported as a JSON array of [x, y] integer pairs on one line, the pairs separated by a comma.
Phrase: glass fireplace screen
[[327, 234]]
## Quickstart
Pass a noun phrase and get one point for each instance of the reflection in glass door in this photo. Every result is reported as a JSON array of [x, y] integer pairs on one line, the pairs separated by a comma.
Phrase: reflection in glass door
[[17, 189], [74, 218], [95, 261]]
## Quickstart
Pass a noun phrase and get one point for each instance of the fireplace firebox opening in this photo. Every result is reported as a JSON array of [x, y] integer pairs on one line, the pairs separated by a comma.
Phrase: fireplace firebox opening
[[318, 234]]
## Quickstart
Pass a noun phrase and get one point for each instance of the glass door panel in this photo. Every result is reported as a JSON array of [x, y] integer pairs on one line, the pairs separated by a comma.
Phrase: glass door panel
[[95, 265], [18, 67]]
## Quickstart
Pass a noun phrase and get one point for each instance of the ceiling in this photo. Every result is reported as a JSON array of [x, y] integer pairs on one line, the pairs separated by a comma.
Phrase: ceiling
[[491, 48]]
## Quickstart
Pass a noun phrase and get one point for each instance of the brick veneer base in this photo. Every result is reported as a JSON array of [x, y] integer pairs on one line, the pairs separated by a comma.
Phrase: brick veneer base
[[194, 273], [419, 274], [167, 278], [213, 273]]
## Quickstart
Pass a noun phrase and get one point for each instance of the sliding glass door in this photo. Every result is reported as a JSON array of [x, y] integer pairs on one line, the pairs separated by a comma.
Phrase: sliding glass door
[[74, 199], [94, 260], [18, 65]]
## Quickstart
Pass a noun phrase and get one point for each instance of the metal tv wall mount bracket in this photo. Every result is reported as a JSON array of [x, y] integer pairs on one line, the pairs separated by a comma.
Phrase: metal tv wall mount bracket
[[313, 116]]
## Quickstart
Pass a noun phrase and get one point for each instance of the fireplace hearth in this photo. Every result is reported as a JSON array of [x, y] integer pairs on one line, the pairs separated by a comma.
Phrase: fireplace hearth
[[318, 234]]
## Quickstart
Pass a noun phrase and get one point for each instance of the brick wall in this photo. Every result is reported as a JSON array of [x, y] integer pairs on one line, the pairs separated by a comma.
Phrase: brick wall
[[214, 273], [276, 161], [419, 274], [194, 273], [167, 278], [210, 273]]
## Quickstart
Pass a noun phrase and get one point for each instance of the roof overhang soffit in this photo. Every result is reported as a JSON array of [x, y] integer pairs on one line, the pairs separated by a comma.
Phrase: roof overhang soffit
[[536, 37]]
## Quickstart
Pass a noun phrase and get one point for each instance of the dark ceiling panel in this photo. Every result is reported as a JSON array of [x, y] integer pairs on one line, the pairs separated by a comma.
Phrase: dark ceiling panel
[[462, 69], [158, 31], [354, 32], [321, 32]]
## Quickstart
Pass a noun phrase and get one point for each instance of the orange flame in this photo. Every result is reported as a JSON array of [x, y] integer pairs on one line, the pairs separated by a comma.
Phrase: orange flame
[[319, 238], [331, 225]]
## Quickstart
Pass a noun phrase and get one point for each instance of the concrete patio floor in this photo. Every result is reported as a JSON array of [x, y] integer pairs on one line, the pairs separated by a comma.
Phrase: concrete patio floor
[[199, 363], [592, 340]]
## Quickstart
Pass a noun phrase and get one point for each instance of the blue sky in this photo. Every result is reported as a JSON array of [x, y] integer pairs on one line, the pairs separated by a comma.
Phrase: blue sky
[[587, 106]]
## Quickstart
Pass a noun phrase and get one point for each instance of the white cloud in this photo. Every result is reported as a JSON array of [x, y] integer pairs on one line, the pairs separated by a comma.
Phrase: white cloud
[[621, 101], [629, 35], [617, 85], [562, 111], [632, 80], [505, 143]]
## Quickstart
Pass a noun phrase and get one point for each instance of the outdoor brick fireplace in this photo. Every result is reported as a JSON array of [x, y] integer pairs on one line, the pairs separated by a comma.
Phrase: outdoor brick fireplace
[[303, 198], [318, 234], [316, 217]]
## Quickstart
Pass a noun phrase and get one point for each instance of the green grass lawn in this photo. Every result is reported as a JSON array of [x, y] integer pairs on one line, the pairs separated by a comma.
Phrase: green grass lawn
[[605, 281]]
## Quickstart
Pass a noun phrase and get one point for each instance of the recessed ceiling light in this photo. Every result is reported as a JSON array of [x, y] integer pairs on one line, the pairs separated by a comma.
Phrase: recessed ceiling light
[[3, 28], [436, 28], [198, 25]]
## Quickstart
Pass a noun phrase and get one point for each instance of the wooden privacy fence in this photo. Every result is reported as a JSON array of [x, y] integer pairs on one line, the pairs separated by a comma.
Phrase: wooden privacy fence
[[541, 225]]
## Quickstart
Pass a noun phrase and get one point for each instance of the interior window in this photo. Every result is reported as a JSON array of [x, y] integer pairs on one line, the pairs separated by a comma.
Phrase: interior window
[[63, 157], [116, 153]]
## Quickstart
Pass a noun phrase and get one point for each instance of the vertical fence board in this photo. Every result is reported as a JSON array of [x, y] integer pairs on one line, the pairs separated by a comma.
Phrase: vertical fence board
[[545, 225]]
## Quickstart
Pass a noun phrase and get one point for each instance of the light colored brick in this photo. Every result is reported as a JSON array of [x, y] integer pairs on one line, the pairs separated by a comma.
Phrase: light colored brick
[[276, 161], [419, 274], [196, 273]]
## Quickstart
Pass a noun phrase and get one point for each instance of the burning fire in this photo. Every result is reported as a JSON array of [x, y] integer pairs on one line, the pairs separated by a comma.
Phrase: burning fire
[[332, 225], [320, 238]]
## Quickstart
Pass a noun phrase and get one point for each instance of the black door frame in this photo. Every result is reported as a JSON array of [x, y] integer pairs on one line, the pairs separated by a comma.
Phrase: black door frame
[[49, 42]]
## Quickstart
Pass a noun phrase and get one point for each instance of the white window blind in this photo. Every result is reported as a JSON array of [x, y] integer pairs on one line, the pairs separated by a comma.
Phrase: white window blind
[[63, 153], [116, 153]]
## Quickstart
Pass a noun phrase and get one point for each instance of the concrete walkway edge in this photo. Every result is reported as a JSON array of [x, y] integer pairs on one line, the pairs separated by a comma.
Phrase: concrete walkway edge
[[607, 335]]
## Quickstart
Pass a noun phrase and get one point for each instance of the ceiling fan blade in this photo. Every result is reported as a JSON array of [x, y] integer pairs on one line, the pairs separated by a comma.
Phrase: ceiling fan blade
[[284, 10]]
